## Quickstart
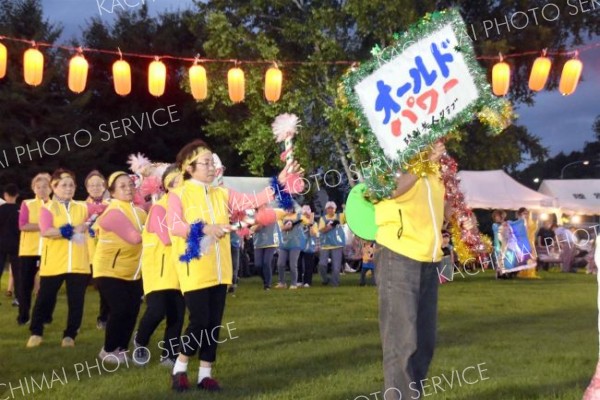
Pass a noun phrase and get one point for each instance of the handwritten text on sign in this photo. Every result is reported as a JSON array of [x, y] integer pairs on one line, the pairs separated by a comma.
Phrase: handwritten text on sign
[[427, 82]]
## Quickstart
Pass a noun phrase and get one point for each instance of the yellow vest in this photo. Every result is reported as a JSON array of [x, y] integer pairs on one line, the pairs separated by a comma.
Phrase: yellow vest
[[411, 224], [114, 257], [59, 255], [31, 242], [158, 268], [209, 205]]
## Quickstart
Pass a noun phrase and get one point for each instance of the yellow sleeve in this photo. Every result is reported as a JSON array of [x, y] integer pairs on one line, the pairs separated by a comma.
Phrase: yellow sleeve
[[279, 214], [342, 218], [321, 223], [305, 220]]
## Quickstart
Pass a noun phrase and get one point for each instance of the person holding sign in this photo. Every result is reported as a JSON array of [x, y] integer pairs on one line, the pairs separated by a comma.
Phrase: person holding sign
[[409, 235]]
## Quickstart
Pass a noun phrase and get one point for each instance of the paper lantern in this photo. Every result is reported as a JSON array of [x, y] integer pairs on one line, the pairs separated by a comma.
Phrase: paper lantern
[[78, 71], [570, 77], [3, 58], [539, 73], [122, 77], [198, 82], [500, 78], [235, 79], [33, 67], [273, 80], [157, 76]]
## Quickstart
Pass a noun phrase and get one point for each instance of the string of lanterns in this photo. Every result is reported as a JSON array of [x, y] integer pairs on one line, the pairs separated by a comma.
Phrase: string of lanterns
[[33, 68], [570, 75]]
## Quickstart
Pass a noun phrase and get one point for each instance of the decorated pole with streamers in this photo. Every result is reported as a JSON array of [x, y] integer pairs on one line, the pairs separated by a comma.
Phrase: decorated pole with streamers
[[219, 169], [285, 127]]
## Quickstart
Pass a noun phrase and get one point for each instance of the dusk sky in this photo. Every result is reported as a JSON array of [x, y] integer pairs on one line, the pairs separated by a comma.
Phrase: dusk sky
[[563, 123]]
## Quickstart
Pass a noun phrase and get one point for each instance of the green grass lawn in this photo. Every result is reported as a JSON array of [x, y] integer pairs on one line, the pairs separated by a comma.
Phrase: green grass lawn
[[533, 339]]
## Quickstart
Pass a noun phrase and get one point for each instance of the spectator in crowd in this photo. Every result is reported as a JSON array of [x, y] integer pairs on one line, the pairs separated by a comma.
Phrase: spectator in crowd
[[293, 241], [368, 266], [528, 240], [9, 233], [545, 240], [567, 245]]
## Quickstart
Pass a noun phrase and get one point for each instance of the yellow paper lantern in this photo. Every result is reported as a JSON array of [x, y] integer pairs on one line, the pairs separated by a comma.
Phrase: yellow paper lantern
[[235, 79], [157, 77], [539, 73], [3, 59], [570, 77], [273, 79], [78, 71], [198, 82], [500, 78], [122, 77], [33, 67]]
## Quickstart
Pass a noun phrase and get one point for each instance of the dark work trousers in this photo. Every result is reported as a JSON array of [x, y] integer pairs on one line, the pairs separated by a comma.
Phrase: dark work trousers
[[206, 308], [263, 257], [235, 261], [161, 303], [309, 261], [46, 300], [28, 268], [103, 312], [124, 300], [408, 293], [13, 259]]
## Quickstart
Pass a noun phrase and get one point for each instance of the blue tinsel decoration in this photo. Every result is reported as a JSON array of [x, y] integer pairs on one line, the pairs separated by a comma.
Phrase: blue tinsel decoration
[[91, 232], [192, 249], [284, 199], [67, 231]]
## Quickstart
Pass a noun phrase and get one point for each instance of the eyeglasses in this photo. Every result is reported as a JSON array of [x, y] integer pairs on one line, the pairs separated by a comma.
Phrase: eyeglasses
[[207, 165]]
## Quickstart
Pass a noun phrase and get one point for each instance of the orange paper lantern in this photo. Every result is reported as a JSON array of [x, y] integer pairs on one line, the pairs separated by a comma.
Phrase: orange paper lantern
[[500, 78], [198, 82], [122, 77], [33, 67], [157, 77], [235, 79], [539, 73], [273, 79], [78, 71], [570, 77], [3, 59]]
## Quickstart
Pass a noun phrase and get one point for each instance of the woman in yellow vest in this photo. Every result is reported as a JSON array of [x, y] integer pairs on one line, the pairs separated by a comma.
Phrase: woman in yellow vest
[[117, 265], [30, 244], [196, 210], [64, 259], [95, 184], [161, 284]]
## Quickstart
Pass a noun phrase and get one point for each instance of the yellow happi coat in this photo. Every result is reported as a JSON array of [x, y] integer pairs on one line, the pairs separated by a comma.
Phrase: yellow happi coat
[[158, 268], [30, 243], [59, 255], [207, 204], [114, 257], [411, 224]]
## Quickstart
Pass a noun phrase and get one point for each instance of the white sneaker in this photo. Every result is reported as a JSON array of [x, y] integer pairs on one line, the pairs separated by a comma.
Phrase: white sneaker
[[306, 285], [349, 269], [293, 287], [281, 286]]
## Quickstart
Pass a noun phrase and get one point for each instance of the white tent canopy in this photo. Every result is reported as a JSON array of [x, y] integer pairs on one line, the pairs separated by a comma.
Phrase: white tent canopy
[[581, 196], [497, 190]]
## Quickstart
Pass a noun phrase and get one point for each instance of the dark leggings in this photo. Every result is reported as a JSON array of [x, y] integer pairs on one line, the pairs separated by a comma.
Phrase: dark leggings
[[161, 304], [124, 299], [46, 301], [206, 308]]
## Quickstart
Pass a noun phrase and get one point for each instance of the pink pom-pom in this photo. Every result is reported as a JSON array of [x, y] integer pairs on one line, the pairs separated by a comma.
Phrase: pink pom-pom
[[266, 216], [138, 199], [97, 209], [243, 232], [150, 185], [294, 184]]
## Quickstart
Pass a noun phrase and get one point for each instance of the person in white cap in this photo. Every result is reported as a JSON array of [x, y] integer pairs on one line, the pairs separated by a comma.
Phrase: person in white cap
[[333, 241]]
